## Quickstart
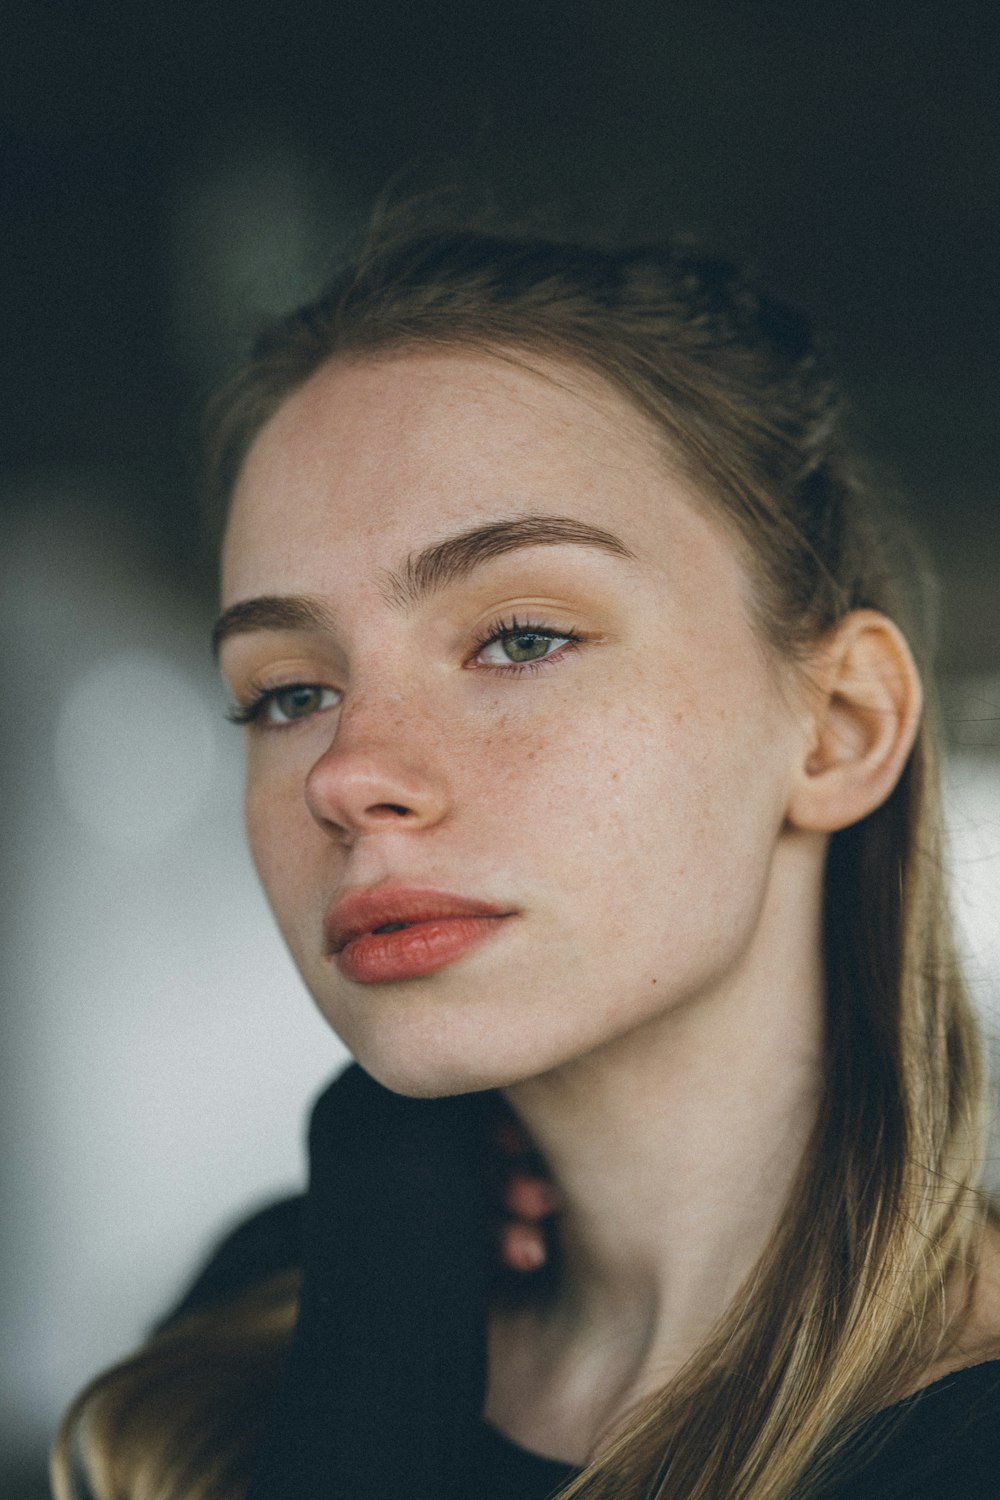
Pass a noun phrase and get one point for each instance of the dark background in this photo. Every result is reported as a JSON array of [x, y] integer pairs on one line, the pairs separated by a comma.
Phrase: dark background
[[172, 173], [849, 148]]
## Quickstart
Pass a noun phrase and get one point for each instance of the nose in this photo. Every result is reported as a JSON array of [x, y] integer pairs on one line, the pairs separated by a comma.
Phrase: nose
[[379, 773]]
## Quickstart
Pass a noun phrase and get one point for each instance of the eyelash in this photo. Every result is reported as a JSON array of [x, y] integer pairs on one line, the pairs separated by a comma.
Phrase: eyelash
[[260, 697], [503, 627], [250, 712]]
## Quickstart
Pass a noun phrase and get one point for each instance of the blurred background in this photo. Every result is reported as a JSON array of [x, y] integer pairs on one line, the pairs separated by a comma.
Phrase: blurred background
[[172, 175]]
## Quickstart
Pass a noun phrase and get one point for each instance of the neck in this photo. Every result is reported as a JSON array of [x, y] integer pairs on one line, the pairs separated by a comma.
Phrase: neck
[[674, 1150]]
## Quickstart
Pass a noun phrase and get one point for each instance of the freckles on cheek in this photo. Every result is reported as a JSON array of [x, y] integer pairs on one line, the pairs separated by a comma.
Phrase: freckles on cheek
[[519, 781], [648, 778]]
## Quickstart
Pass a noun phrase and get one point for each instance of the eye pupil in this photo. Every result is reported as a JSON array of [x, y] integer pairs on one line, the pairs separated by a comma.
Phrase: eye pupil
[[528, 642]]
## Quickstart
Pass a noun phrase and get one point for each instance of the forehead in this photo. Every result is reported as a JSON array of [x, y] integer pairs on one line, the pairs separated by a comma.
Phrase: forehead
[[374, 457]]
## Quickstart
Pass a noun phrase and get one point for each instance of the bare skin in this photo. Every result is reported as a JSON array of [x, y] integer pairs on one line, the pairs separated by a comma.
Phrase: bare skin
[[652, 804], [520, 1376]]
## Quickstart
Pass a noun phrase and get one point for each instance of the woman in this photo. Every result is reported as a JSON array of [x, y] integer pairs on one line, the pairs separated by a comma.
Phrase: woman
[[590, 783]]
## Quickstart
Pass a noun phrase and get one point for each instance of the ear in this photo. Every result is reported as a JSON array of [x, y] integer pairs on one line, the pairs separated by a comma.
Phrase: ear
[[864, 712]]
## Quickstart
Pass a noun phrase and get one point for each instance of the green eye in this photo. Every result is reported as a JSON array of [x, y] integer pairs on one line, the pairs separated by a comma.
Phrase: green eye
[[509, 645], [296, 702], [278, 707], [528, 645]]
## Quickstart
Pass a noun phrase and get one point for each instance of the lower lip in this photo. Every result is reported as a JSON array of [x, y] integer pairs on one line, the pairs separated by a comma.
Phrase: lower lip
[[379, 957]]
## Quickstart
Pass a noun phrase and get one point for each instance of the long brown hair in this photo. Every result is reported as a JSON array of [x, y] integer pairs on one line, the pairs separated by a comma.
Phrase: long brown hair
[[847, 1304]]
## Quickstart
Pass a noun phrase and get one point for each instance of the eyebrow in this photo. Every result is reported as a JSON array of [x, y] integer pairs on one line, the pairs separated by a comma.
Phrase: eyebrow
[[423, 573]]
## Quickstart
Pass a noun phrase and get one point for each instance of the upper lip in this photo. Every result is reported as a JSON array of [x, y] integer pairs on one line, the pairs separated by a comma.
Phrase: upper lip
[[363, 911]]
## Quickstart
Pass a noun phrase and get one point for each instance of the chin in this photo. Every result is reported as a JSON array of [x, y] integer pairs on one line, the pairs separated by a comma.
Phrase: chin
[[424, 1080], [425, 1045], [429, 1069]]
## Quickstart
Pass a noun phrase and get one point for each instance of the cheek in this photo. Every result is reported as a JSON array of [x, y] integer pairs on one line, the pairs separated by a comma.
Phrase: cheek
[[280, 834], [672, 807], [582, 802]]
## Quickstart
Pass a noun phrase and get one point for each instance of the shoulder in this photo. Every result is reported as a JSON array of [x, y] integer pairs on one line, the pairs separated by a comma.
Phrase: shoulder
[[939, 1444], [943, 1439], [261, 1246]]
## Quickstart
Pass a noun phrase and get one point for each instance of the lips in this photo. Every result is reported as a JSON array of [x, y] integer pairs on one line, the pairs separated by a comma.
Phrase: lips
[[387, 905], [391, 933]]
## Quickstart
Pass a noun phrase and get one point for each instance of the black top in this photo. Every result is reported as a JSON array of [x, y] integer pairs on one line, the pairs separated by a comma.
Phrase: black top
[[383, 1389]]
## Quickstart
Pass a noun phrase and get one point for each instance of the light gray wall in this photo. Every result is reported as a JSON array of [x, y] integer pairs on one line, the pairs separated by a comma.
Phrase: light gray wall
[[159, 1051]]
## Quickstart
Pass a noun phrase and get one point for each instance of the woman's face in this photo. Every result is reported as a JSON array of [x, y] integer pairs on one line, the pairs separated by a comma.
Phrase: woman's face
[[588, 736]]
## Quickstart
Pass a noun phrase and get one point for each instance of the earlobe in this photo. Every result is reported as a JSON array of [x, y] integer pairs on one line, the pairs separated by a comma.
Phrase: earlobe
[[865, 708]]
